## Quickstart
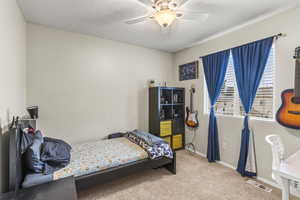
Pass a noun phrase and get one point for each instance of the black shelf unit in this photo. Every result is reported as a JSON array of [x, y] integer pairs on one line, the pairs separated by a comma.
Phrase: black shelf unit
[[167, 114]]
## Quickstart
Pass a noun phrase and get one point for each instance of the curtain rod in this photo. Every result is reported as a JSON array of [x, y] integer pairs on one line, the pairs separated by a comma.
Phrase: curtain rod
[[277, 36]]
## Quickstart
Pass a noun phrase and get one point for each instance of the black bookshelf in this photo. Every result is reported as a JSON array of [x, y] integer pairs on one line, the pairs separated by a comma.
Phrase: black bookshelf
[[167, 114]]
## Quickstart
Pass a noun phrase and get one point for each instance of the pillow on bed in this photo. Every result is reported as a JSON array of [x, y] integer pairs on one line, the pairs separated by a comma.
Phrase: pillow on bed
[[33, 154], [33, 179], [148, 137], [156, 147]]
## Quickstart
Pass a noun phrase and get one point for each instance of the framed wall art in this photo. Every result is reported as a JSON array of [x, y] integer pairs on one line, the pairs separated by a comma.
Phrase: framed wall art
[[189, 71]]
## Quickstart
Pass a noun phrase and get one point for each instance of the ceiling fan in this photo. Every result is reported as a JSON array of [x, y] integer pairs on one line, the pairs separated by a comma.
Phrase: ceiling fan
[[164, 12]]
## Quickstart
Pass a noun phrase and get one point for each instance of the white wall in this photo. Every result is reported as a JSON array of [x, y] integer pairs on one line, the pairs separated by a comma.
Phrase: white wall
[[230, 127], [12, 73], [87, 87]]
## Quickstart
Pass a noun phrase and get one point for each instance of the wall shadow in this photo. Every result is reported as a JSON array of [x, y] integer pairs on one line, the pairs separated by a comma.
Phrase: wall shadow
[[293, 132], [143, 109]]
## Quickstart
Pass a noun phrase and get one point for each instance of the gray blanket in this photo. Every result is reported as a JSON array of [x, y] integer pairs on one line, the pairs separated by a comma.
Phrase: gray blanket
[[55, 154]]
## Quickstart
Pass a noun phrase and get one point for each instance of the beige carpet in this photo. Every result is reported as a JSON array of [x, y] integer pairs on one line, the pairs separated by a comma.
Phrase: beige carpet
[[196, 179]]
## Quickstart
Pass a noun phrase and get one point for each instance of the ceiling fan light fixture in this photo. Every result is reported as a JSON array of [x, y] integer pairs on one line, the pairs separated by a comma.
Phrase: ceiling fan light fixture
[[165, 17]]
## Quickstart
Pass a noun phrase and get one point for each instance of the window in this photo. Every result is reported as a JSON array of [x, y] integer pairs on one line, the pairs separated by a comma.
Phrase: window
[[229, 103]]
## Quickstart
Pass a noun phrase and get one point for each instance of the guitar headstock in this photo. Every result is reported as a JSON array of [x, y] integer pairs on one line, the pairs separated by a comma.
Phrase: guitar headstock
[[297, 53]]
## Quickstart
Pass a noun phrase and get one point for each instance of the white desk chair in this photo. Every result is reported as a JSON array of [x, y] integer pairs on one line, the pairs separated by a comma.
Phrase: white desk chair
[[278, 155], [283, 170]]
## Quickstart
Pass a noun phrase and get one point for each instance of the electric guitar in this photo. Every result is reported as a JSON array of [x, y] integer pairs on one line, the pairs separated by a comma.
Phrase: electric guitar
[[288, 114], [191, 115]]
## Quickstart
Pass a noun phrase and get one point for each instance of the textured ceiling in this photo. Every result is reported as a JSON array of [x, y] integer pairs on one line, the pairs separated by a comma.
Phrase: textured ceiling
[[105, 18]]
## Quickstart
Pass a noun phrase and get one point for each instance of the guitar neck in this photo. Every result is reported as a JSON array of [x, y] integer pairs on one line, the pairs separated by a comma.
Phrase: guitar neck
[[297, 78], [191, 102]]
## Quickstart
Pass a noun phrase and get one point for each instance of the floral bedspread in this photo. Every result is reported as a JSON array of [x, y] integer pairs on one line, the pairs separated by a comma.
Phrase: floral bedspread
[[90, 157]]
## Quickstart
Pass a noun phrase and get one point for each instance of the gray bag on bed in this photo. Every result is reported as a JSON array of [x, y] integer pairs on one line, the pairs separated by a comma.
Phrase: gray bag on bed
[[55, 154]]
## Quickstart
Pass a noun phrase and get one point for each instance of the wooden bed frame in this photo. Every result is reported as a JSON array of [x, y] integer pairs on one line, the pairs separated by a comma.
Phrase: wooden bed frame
[[17, 167]]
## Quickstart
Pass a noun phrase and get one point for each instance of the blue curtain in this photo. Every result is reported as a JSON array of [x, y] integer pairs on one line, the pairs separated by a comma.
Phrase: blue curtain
[[249, 64], [215, 66]]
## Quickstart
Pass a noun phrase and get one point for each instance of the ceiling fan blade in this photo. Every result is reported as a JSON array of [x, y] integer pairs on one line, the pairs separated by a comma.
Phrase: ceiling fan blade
[[137, 20], [146, 3], [186, 15], [181, 2]]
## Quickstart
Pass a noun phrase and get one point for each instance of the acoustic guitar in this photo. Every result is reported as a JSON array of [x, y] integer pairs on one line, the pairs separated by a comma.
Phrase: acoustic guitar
[[191, 115], [288, 114]]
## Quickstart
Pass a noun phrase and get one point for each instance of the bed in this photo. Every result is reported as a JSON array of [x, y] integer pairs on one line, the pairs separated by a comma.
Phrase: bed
[[92, 163]]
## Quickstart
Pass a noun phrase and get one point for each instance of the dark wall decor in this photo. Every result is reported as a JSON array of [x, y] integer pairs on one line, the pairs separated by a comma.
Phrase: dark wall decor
[[188, 71]]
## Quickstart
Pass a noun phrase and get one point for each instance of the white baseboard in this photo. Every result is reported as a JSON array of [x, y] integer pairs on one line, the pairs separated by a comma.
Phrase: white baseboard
[[266, 181], [204, 156]]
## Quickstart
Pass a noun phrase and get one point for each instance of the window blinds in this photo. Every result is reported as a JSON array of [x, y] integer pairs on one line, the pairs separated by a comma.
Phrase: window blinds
[[225, 102], [229, 103], [264, 100]]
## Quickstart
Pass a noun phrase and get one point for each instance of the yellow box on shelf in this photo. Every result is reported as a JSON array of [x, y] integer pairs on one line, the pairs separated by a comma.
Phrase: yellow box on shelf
[[177, 141], [166, 122], [165, 128], [167, 139]]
